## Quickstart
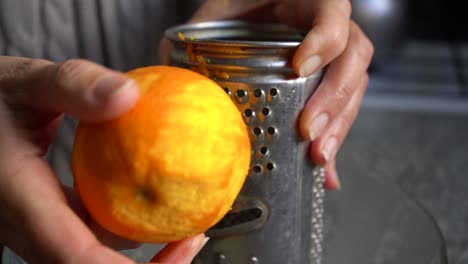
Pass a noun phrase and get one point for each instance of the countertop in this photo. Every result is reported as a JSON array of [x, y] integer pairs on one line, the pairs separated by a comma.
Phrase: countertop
[[424, 153]]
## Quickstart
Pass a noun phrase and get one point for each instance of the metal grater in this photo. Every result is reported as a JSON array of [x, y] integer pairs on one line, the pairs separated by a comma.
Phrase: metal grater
[[277, 217]]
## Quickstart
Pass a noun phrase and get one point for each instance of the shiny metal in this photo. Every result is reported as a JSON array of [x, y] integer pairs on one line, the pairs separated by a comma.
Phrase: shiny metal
[[254, 260], [318, 194], [221, 259], [277, 217]]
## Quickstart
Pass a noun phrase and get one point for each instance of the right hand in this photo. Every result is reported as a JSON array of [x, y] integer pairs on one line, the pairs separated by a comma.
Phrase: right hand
[[40, 220], [333, 40]]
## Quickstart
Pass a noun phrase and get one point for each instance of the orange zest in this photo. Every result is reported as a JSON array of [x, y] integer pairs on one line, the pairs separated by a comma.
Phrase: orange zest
[[172, 166]]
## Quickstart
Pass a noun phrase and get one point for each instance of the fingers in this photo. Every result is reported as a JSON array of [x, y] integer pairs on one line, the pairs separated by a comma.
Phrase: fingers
[[215, 10], [84, 89], [341, 82], [182, 252], [332, 182], [328, 115], [109, 239], [98, 254], [329, 20], [324, 148], [105, 237], [39, 225]]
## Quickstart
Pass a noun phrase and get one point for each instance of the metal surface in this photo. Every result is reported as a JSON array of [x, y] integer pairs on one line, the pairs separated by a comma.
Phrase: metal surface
[[370, 220], [277, 217]]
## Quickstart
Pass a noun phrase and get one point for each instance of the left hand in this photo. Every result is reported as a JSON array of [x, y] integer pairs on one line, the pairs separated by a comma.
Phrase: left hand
[[42, 221], [333, 40]]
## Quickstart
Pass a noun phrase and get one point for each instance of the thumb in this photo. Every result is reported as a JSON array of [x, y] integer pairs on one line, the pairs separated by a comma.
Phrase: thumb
[[81, 88], [181, 252]]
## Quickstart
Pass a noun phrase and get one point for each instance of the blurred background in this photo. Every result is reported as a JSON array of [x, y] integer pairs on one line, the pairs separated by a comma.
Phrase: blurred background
[[413, 126], [412, 130]]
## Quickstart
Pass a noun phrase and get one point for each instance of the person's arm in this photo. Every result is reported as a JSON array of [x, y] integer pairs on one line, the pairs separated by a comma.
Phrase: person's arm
[[41, 220]]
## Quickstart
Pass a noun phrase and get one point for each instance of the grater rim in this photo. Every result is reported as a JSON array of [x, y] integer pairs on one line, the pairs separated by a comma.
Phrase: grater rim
[[197, 33]]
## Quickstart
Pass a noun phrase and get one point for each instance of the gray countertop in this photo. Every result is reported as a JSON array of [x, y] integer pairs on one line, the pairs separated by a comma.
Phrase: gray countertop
[[424, 153]]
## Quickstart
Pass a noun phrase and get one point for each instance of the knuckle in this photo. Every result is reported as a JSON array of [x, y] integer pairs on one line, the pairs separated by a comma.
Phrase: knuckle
[[343, 94], [363, 45], [70, 67], [346, 121], [366, 48], [370, 48], [69, 72], [335, 38], [344, 6]]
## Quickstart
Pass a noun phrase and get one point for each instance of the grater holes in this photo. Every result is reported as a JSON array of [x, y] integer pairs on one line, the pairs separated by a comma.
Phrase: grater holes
[[257, 168], [242, 96], [241, 93], [266, 111], [257, 93], [248, 112], [263, 150], [273, 92], [257, 131], [270, 166], [271, 131]]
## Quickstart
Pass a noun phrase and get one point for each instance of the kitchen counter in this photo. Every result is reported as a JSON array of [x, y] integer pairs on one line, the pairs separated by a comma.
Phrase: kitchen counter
[[424, 153]]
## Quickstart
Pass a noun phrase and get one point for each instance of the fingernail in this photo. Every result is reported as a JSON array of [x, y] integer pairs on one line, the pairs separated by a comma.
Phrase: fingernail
[[338, 183], [329, 149], [310, 65], [318, 125], [203, 243], [111, 85], [198, 244]]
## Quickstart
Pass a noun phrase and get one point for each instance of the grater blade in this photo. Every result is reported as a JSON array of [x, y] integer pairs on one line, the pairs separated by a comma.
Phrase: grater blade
[[278, 215]]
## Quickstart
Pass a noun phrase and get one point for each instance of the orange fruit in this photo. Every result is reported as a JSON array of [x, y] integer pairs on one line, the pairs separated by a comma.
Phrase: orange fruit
[[172, 166]]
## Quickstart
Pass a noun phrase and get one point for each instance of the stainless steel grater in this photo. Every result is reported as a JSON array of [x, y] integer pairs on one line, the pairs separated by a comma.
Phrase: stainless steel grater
[[277, 217]]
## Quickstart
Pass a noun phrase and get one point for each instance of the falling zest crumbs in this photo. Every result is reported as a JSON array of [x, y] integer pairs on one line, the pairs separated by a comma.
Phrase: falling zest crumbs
[[200, 59], [189, 52], [202, 65], [221, 74], [181, 36], [224, 75]]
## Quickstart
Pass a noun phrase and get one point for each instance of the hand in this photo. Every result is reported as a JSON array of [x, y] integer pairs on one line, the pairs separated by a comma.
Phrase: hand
[[333, 40], [41, 220]]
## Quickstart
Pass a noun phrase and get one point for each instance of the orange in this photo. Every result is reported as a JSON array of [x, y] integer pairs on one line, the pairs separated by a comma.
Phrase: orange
[[172, 166]]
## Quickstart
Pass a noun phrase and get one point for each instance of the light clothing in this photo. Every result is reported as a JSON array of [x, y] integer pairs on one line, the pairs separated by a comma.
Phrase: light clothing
[[120, 34]]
